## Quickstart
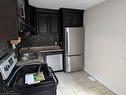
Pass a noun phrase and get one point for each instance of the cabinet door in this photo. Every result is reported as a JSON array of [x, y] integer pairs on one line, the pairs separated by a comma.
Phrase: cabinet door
[[68, 19], [30, 18], [73, 19], [42, 23], [8, 20], [54, 23], [78, 19], [30, 15]]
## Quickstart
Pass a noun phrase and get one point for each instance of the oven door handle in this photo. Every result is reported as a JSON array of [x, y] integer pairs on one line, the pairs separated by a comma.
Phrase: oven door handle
[[54, 75]]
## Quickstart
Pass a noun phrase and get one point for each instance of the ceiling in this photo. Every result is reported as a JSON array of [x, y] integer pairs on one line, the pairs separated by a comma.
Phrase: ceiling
[[56, 4]]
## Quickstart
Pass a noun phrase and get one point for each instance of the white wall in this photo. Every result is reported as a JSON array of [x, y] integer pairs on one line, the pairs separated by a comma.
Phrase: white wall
[[105, 44]]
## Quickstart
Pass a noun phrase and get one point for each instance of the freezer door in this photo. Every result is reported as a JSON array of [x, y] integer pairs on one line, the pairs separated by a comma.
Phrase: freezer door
[[74, 63], [74, 40]]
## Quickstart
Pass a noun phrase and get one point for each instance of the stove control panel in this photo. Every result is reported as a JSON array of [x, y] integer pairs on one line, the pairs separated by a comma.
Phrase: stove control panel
[[7, 65]]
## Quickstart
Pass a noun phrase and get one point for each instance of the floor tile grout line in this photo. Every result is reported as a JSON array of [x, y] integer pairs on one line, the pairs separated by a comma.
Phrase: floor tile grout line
[[93, 86]]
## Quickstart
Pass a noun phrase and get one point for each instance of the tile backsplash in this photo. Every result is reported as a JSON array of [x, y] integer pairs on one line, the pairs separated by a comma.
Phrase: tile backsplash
[[3, 46], [40, 40]]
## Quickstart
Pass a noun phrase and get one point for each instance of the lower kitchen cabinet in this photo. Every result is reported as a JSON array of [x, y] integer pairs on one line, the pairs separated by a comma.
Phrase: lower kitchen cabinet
[[55, 61]]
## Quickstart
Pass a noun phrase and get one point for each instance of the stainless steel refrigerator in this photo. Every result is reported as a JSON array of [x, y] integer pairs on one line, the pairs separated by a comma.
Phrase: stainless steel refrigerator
[[74, 48]]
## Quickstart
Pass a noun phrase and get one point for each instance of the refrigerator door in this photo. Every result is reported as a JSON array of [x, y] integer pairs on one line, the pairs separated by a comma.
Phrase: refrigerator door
[[74, 40], [74, 63]]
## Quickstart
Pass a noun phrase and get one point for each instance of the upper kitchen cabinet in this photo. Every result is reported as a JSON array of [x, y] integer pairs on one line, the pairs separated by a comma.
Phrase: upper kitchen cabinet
[[21, 5], [30, 17], [12, 12], [48, 21], [42, 23], [72, 17], [8, 20], [54, 23]]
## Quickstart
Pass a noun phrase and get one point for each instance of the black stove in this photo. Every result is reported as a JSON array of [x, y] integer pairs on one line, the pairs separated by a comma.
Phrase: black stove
[[15, 83], [3, 55]]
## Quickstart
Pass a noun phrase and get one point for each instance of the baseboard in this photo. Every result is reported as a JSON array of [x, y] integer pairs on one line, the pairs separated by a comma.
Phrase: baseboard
[[102, 82]]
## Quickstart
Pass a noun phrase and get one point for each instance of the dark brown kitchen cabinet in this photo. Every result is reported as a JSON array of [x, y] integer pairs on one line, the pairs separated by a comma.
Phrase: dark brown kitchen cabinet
[[8, 20], [48, 22], [54, 23], [42, 23], [72, 17], [11, 11], [68, 19], [78, 19], [30, 17]]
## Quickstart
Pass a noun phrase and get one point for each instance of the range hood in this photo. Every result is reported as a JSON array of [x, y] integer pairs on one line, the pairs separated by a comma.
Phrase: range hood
[[26, 28], [23, 26]]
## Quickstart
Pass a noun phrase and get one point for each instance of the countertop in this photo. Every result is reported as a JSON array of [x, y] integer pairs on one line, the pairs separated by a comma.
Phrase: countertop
[[39, 60], [41, 49], [36, 61]]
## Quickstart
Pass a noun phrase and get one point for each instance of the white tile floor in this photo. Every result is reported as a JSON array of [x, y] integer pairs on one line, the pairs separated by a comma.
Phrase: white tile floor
[[77, 83]]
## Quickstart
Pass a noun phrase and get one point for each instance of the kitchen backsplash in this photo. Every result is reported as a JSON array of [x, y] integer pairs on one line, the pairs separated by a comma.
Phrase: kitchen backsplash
[[4, 45], [40, 40]]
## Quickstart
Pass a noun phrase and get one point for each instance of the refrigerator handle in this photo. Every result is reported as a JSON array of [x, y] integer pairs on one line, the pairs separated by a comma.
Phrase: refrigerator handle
[[66, 41]]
